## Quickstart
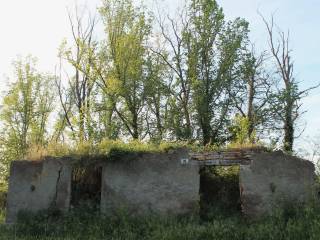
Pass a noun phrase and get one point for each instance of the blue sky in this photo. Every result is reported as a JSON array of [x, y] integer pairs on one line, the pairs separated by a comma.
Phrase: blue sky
[[37, 27]]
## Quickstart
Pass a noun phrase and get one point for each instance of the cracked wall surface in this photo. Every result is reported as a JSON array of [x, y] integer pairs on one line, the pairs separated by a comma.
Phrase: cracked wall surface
[[274, 179], [151, 182], [35, 186]]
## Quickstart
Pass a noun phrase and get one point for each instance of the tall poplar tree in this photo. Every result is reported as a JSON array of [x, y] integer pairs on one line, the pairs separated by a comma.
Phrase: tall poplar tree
[[214, 48], [127, 29]]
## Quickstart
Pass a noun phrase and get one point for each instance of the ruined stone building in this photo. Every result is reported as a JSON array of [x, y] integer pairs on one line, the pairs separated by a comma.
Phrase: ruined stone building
[[162, 183]]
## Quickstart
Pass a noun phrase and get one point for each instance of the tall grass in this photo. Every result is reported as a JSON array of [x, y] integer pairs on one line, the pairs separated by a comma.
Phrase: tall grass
[[300, 223], [107, 148], [112, 148]]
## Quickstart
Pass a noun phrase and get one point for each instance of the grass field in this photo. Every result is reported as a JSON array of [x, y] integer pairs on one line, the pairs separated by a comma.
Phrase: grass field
[[303, 223]]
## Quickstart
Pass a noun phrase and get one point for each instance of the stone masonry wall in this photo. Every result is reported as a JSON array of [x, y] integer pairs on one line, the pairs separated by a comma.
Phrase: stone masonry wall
[[35, 186], [273, 179], [156, 183]]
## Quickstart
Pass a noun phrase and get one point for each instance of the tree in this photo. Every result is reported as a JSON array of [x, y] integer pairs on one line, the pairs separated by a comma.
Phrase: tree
[[157, 95], [253, 95], [25, 111], [213, 57], [128, 29], [288, 97], [175, 55], [77, 95]]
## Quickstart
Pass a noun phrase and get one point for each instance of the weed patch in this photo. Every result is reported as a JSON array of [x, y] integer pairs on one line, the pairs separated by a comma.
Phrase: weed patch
[[89, 224]]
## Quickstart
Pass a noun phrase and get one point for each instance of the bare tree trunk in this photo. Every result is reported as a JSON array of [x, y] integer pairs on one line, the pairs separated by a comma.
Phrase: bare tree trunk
[[188, 121], [206, 133], [158, 119], [174, 39], [81, 126], [281, 53], [250, 114], [109, 113], [135, 132], [288, 127]]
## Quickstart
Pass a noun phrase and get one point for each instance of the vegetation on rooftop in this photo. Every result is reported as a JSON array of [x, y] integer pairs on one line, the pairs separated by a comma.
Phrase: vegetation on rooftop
[[103, 148], [114, 148]]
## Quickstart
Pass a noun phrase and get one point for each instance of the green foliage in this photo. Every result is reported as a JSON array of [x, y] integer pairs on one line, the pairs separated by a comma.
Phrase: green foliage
[[301, 223], [240, 130], [89, 152], [107, 147], [128, 29], [115, 149], [77, 95], [214, 55], [25, 113]]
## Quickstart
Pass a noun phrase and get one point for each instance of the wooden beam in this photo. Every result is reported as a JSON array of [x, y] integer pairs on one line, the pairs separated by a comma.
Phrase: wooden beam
[[224, 158], [221, 162]]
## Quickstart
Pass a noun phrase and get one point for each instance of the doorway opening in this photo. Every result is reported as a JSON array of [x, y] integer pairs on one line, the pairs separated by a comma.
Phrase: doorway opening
[[86, 187], [219, 191]]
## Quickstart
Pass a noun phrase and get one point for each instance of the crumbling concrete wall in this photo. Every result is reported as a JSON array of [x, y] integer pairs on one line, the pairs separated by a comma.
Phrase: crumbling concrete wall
[[147, 183], [35, 186], [158, 183], [273, 179]]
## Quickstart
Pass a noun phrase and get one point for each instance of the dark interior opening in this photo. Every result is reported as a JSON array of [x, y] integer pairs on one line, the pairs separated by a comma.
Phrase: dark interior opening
[[219, 191], [86, 187]]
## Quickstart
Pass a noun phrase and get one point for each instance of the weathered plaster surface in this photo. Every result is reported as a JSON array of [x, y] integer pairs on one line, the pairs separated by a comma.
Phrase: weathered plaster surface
[[273, 179], [35, 186], [151, 183]]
